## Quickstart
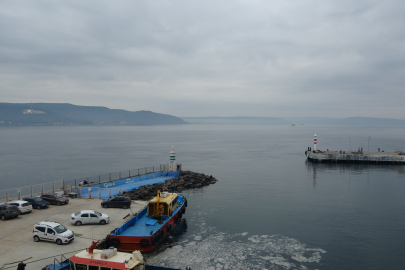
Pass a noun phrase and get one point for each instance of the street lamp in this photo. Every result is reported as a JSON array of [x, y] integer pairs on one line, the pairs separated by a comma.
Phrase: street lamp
[[350, 144]]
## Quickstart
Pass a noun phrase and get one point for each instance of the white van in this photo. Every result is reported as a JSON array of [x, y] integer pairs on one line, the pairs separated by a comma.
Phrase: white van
[[53, 232]]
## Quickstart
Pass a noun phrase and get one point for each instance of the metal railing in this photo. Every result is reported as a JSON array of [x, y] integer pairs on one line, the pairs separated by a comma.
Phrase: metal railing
[[66, 185]]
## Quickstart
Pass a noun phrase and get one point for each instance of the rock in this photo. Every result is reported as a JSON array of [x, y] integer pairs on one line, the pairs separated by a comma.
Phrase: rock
[[187, 180]]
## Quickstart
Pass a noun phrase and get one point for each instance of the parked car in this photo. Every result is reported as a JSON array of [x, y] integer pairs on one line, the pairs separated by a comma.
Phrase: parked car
[[37, 202], [55, 198], [53, 232], [118, 201], [8, 211], [89, 217], [23, 206]]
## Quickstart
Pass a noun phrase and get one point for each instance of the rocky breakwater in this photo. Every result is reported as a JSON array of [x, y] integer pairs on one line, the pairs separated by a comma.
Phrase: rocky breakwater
[[186, 180]]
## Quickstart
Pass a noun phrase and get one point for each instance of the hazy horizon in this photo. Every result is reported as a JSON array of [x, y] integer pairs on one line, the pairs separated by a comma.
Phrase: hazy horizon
[[229, 58]]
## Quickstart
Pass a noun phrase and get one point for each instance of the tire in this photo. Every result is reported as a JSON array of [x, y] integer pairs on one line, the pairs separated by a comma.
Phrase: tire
[[180, 215], [19, 212], [176, 219], [154, 239], [185, 203], [59, 242], [58, 203], [115, 242], [125, 206], [36, 207], [78, 223], [184, 211], [169, 227], [36, 238], [161, 234], [3, 217], [144, 243], [104, 206], [102, 222]]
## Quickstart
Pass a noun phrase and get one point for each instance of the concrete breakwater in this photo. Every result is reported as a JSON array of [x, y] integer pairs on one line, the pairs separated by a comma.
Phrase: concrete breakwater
[[356, 157], [186, 180]]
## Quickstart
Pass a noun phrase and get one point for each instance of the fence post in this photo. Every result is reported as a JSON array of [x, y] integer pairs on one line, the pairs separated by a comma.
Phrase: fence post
[[63, 183], [99, 193], [42, 189], [89, 190], [53, 187], [109, 193], [31, 191], [153, 168], [19, 194], [6, 196]]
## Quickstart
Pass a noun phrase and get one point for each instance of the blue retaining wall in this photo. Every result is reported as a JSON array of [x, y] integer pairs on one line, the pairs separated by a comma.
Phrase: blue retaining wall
[[105, 190]]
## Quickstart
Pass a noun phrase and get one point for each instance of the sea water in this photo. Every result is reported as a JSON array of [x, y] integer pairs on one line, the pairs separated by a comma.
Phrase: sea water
[[270, 209]]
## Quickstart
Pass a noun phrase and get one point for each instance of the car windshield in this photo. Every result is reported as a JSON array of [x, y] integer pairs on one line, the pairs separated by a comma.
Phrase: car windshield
[[97, 213], [57, 195], [78, 213], [38, 199], [60, 229]]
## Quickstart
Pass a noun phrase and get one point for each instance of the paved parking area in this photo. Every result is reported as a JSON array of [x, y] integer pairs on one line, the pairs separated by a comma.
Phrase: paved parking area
[[17, 244]]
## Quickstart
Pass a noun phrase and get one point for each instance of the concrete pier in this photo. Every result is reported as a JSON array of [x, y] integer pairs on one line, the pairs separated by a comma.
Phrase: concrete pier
[[356, 157], [17, 244]]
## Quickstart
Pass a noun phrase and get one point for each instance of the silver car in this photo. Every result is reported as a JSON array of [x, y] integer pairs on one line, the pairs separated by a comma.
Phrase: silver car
[[89, 217], [23, 206]]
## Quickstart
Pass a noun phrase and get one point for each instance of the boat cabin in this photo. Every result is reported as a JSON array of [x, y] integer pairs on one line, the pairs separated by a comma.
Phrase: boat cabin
[[109, 259], [163, 204]]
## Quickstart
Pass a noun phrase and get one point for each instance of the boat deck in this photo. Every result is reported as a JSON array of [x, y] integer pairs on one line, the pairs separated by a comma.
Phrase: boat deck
[[145, 225]]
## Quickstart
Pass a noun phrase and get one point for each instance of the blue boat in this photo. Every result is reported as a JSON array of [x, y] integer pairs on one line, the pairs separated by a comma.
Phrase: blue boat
[[150, 226]]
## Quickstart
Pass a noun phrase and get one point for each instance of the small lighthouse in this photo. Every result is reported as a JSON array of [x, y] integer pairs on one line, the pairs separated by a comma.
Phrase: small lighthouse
[[172, 166], [315, 142]]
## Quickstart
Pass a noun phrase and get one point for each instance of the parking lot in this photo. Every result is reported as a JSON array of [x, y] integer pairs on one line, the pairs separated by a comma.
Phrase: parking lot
[[17, 244]]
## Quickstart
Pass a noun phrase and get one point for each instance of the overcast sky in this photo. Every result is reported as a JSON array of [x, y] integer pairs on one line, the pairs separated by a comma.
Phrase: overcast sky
[[207, 58]]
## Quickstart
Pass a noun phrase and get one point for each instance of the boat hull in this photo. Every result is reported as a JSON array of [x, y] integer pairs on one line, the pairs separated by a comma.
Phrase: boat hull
[[123, 240]]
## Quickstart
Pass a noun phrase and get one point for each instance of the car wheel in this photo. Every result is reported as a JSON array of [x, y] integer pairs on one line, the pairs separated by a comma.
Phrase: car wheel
[[58, 203], [37, 207], [58, 241], [125, 206], [19, 212], [104, 206], [78, 223], [36, 238], [102, 222], [3, 217]]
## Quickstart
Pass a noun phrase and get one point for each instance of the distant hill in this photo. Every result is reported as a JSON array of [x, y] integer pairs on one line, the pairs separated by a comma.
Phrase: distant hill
[[358, 121], [234, 120], [21, 114]]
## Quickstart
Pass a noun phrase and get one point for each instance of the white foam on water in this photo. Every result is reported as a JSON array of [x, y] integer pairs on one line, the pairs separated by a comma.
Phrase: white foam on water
[[211, 249]]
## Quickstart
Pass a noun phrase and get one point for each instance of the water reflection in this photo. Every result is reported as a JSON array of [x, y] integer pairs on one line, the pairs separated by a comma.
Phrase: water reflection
[[353, 167]]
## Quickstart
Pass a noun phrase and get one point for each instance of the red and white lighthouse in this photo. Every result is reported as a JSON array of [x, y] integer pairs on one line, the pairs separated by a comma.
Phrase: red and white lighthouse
[[315, 142]]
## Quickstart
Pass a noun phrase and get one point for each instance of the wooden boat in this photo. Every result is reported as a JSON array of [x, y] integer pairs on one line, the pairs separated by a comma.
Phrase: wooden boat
[[150, 226]]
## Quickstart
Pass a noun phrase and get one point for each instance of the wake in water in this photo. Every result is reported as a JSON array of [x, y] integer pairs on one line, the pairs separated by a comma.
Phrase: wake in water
[[210, 249]]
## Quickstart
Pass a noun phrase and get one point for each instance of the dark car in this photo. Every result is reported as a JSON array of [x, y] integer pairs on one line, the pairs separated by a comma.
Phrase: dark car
[[118, 201], [37, 202], [8, 211], [55, 198]]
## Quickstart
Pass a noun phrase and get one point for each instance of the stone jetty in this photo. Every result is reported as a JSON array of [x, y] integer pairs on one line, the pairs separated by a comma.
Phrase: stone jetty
[[186, 180]]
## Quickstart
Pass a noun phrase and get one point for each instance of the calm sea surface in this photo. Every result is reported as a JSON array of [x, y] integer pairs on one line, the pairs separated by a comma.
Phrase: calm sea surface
[[270, 209]]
